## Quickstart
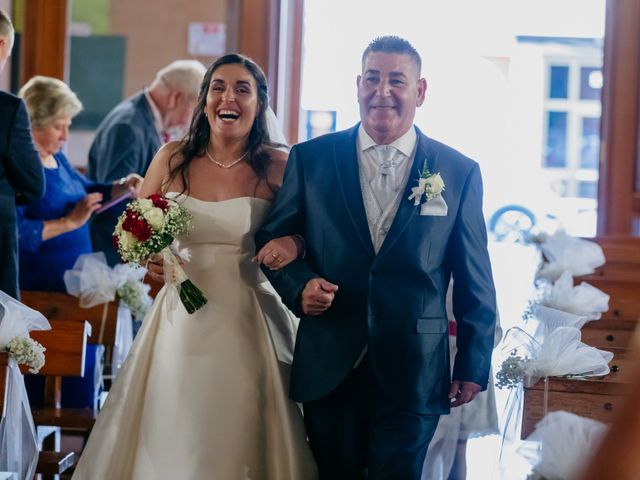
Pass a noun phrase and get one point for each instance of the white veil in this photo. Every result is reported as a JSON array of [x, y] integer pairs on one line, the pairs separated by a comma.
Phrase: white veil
[[274, 128]]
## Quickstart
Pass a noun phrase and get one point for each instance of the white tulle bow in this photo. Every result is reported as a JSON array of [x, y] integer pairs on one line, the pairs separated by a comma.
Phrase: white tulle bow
[[551, 351], [94, 282], [584, 299], [565, 442], [566, 253]]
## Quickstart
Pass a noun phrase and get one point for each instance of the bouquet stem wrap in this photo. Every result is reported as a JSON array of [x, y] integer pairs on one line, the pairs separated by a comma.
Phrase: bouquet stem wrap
[[191, 296]]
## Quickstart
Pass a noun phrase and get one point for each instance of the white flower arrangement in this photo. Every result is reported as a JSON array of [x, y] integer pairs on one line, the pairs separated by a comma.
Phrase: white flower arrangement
[[430, 185], [26, 351], [134, 293]]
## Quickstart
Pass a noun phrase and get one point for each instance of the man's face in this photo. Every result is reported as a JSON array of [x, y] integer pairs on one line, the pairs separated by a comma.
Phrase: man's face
[[389, 91], [178, 115], [6, 44]]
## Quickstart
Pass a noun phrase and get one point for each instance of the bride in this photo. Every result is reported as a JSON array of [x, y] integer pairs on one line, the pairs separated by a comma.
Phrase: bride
[[204, 396]]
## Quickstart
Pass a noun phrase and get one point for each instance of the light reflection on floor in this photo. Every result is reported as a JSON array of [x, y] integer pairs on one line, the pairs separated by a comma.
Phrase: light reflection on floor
[[514, 267]]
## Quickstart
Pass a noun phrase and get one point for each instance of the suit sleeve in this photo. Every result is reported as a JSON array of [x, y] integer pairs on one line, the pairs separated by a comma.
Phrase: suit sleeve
[[24, 169], [474, 297], [120, 153], [288, 217]]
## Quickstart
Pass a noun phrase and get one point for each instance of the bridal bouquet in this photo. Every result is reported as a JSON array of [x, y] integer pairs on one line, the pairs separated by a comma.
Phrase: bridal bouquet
[[149, 226]]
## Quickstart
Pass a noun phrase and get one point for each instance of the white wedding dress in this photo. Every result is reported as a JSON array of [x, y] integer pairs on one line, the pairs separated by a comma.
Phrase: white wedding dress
[[204, 396]]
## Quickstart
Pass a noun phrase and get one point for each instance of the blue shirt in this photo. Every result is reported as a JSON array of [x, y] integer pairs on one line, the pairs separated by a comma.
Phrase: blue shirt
[[43, 263]]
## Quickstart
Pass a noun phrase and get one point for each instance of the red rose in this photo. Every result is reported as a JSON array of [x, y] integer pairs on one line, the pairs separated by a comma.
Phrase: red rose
[[141, 230], [146, 233], [128, 223], [159, 201]]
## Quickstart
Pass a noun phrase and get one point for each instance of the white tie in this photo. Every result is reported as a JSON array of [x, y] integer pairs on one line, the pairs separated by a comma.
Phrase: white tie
[[384, 182]]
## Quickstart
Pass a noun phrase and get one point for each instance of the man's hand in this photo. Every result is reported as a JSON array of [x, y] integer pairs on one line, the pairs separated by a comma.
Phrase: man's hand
[[317, 296], [463, 392]]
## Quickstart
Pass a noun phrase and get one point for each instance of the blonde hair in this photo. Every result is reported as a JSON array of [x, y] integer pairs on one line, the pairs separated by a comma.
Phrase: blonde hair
[[49, 99], [6, 27]]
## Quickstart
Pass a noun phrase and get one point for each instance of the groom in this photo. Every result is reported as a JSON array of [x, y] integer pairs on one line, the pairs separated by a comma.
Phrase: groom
[[371, 363]]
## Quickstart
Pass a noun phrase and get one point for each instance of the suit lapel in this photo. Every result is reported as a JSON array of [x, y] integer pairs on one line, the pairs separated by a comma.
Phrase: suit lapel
[[407, 210], [347, 171]]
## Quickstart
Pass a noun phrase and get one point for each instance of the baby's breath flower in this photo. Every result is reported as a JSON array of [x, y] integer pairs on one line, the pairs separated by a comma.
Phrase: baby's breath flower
[[512, 371], [134, 294], [27, 351]]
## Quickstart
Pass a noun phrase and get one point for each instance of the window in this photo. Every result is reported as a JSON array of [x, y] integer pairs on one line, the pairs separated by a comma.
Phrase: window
[[556, 155], [559, 84], [590, 83], [571, 142], [590, 148], [588, 189]]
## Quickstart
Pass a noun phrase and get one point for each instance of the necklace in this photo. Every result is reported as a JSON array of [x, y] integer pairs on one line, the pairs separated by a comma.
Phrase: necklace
[[225, 165]]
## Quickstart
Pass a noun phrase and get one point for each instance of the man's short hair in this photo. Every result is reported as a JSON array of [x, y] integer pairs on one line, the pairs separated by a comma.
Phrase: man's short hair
[[6, 27], [392, 44], [182, 75]]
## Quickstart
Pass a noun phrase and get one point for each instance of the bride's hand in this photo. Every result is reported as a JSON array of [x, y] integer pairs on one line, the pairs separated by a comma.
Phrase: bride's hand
[[279, 252], [155, 268]]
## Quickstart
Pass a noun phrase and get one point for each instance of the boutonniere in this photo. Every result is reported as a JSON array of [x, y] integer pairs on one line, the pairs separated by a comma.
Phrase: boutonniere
[[429, 184]]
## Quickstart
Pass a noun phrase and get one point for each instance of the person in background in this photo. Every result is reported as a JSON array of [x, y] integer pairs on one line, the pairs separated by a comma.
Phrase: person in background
[[21, 175], [131, 134], [53, 231]]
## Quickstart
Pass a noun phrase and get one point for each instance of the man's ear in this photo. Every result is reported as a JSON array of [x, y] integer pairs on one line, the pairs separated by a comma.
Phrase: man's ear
[[175, 97], [422, 91], [358, 78]]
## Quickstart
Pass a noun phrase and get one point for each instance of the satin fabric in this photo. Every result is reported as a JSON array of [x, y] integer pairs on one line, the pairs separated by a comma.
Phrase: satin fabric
[[204, 396]]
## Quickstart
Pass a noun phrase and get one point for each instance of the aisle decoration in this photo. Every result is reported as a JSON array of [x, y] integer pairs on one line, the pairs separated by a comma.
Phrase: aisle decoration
[[96, 283], [561, 445], [18, 441], [548, 341]]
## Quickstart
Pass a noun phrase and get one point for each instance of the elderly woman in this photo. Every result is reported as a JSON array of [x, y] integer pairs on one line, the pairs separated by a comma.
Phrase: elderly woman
[[54, 231]]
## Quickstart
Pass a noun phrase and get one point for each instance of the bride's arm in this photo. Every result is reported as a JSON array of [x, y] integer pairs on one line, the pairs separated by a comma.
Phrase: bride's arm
[[153, 182], [158, 170]]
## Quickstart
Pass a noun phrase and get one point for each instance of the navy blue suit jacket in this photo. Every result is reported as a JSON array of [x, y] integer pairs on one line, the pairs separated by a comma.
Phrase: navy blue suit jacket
[[21, 177], [393, 302], [126, 141]]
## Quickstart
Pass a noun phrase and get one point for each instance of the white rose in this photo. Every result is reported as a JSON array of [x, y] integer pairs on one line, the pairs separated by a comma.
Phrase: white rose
[[144, 205], [435, 184], [155, 217], [127, 241]]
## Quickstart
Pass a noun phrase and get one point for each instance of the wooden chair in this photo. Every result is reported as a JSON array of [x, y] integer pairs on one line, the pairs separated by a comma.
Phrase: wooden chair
[[65, 356], [49, 462], [62, 306], [619, 277], [65, 353], [596, 398]]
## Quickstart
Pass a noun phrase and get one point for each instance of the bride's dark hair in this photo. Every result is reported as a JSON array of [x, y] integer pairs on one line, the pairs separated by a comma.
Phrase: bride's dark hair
[[194, 143]]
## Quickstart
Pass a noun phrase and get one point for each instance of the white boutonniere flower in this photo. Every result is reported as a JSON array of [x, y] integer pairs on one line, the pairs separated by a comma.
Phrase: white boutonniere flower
[[430, 185]]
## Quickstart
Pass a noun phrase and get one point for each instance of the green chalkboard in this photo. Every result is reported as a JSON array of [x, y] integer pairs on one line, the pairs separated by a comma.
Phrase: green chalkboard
[[96, 74]]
